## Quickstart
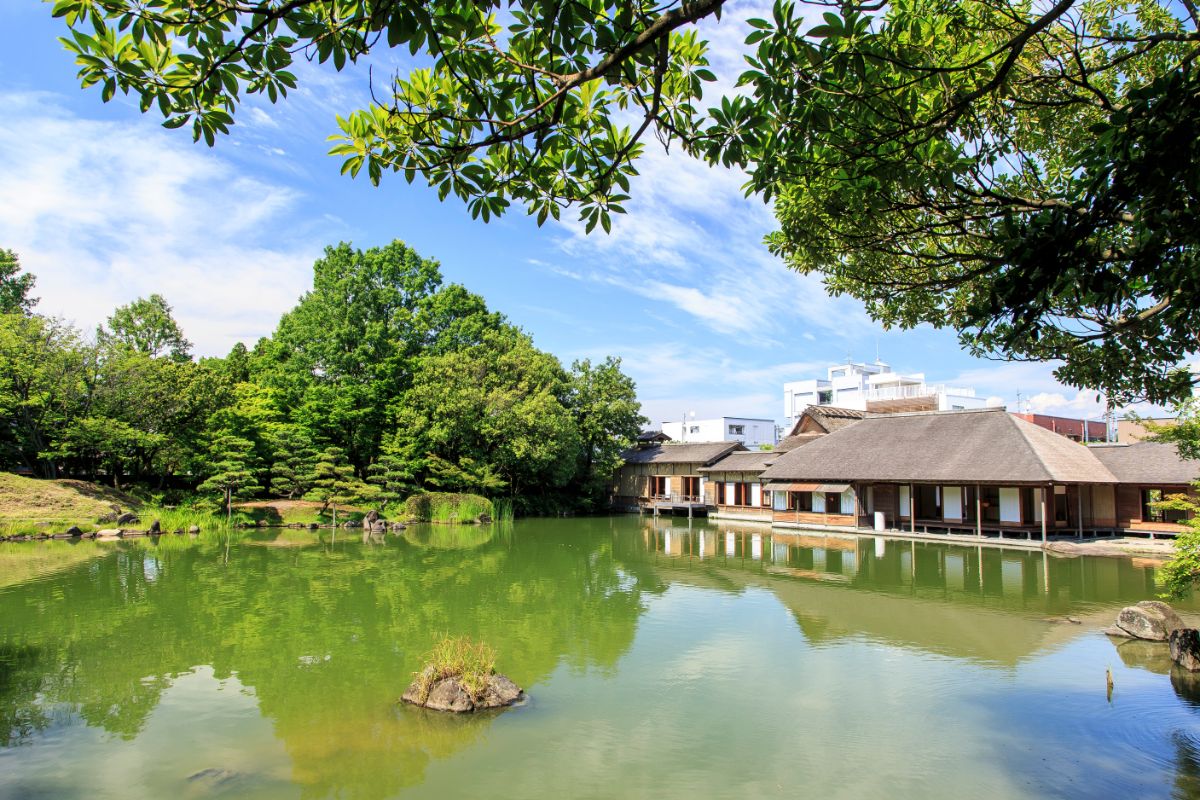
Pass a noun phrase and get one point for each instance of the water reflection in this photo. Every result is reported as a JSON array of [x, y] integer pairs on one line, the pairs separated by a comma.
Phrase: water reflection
[[1009, 578], [637, 639]]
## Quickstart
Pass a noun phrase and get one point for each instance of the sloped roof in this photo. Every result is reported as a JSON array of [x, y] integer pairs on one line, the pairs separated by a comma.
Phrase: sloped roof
[[829, 418], [653, 436], [984, 445], [753, 461], [795, 440], [669, 453], [1146, 462]]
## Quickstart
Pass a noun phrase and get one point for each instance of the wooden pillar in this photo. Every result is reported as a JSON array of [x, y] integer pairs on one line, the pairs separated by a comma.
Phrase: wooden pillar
[[1044, 514], [978, 511], [1079, 507], [912, 508]]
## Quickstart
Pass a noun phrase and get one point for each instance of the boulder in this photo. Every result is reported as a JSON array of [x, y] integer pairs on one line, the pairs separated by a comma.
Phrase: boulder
[[128, 518], [448, 694], [73, 531], [312, 526], [156, 526], [1185, 648], [178, 531], [398, 526], [194, 529], [108, 533], [1148, 620], [371, 518]]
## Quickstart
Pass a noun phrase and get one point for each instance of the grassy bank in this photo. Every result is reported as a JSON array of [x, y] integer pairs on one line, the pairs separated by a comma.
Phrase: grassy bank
[[32, 505]]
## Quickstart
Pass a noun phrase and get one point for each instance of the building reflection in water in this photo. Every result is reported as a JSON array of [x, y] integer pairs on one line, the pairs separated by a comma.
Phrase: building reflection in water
[[928, 568]]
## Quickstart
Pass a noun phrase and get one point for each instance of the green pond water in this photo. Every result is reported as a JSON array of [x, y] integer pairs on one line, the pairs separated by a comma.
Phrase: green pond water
[[662, 660]]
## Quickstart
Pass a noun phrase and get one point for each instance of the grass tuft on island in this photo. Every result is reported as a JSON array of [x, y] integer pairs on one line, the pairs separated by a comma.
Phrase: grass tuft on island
[[449, 507], [473, 663]]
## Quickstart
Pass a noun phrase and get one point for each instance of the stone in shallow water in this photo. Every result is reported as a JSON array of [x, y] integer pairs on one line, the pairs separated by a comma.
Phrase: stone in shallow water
[[449, 695], [1185, 648], [1148, 620]]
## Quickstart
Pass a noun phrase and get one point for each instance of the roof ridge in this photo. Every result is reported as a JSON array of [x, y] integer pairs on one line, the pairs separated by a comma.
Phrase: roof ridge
[[1025, 427]]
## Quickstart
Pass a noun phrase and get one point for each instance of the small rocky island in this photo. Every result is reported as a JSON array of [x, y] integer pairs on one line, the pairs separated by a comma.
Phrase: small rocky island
[[460, 676]]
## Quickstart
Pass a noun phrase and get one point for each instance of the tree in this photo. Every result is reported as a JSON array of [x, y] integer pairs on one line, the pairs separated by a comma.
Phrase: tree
[[488, 417], [608, 417], [44, 365], [145, 326], [1025, 173], [14, 286], [333, 483], [1182, 570], [230, 470]]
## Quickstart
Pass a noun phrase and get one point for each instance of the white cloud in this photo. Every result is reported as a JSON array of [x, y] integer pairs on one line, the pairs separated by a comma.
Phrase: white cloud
[[103, 213]]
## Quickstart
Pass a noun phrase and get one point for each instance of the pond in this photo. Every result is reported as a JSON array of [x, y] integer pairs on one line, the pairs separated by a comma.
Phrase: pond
[[662, 658]]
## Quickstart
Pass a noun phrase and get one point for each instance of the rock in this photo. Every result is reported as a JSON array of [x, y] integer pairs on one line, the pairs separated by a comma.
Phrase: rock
[[73, 531], [1185, 648], [449, 695], [156, 526], [312, 526], [89, 534], [108, 533], [500, 692], [379, 526], [371, 518], [262, 523], [194, 529], [485, 518], [178, 531], [1147, 621], [128, 518], [1173, 621], [352, 524], [398, 526]]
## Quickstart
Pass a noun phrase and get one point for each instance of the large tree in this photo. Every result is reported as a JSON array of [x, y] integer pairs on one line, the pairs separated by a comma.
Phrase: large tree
[[1026, 173], [15, 285]]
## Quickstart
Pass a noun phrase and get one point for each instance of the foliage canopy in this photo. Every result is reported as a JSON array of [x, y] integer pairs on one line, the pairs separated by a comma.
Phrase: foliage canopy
[[1026, 173]]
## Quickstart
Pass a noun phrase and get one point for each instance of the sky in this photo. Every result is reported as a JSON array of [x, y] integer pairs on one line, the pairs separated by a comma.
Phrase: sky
[[104, 205]]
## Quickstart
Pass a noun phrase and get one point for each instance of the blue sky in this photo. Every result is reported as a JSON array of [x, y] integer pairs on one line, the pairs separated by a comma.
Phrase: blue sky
[[104, 205]]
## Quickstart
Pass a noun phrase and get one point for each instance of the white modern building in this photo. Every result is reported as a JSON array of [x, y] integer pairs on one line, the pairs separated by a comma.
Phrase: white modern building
[[874, 387], [750, 432]]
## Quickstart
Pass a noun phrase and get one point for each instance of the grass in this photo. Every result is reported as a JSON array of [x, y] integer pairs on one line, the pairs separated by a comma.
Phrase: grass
[[289, 512], [448, 507], [473, 663], [59, 502]]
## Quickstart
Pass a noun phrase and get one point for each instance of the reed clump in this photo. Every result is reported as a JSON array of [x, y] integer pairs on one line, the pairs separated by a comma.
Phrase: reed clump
[[448, 507], [472, 663]]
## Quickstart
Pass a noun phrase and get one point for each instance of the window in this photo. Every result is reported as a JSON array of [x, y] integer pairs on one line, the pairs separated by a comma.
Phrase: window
[[802, 501], [658, 485], [824, 398], [690, 487], [1153, 513], [737, 430], [694, 429], [838, 373]]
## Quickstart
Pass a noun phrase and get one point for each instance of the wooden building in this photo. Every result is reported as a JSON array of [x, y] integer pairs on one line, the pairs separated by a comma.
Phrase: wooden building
[[1146, 472], [666, 474], [972, 471], [734, 490]]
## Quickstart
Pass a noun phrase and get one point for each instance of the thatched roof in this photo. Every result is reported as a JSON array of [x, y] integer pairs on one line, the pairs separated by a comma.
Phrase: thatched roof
[[1146, 462], [648, 437], [795, 440], [671, 453], [985, 446], [826, 419], [754, 461]]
